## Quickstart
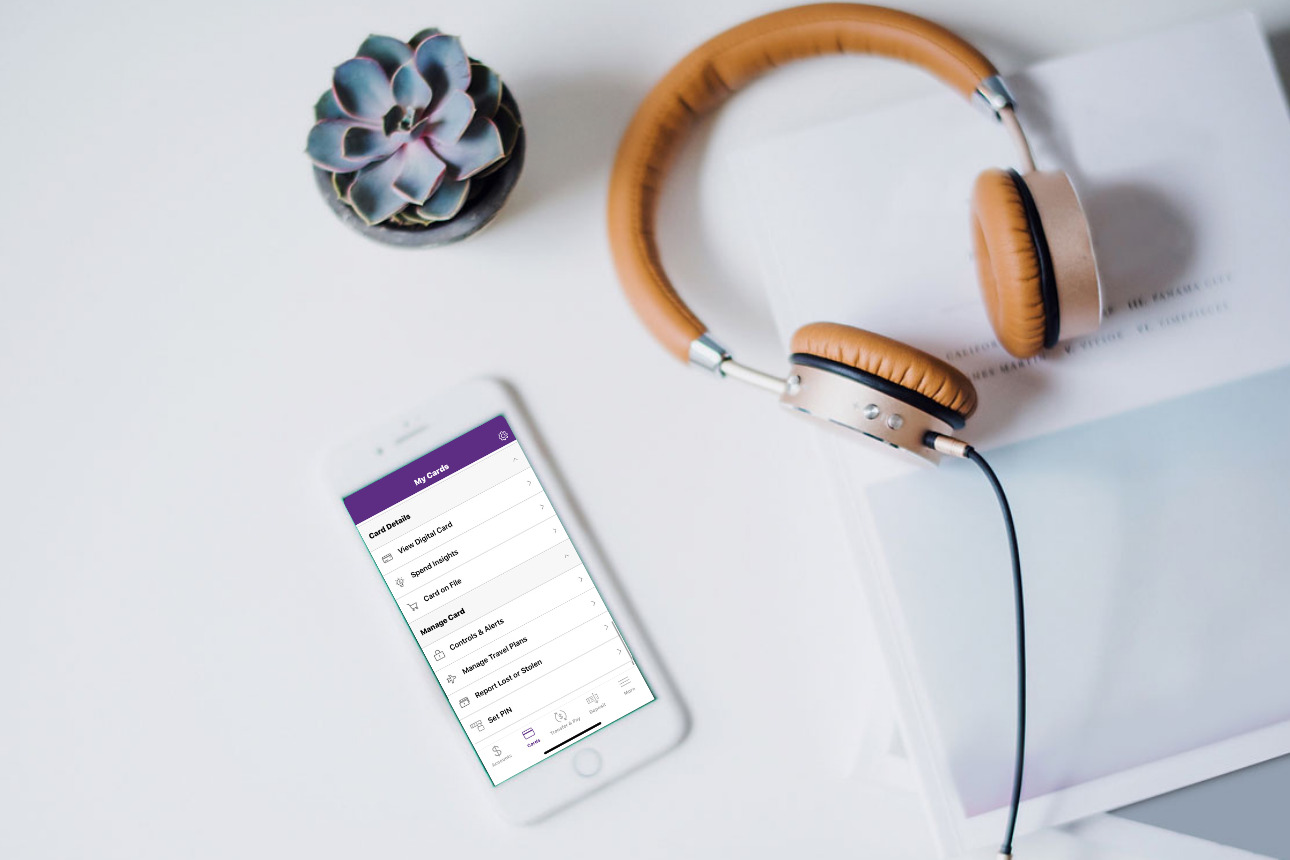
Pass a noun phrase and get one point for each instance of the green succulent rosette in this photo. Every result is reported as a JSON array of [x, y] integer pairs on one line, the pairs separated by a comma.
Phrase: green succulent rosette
[[408, 126]]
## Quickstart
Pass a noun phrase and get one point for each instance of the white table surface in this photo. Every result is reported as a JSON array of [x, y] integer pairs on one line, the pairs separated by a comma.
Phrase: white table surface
[[194, 659]]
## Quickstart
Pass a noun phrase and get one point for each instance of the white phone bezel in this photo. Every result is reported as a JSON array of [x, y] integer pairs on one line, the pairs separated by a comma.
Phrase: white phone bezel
[[623, 746]]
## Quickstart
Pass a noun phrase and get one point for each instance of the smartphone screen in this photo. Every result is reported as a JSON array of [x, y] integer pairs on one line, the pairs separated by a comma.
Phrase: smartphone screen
[[498, 599]]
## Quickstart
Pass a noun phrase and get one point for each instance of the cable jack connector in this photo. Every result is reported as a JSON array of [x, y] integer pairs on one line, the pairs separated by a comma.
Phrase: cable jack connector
[[947, 445]]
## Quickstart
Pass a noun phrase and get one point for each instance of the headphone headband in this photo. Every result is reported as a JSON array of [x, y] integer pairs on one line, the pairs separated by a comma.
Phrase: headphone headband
[[718, 68]]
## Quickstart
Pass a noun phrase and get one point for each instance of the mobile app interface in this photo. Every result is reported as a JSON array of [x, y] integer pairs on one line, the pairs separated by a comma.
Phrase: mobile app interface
[[497, 597]]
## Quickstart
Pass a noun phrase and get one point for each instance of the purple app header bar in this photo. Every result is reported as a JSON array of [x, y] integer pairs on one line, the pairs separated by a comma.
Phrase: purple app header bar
[[429, 469]]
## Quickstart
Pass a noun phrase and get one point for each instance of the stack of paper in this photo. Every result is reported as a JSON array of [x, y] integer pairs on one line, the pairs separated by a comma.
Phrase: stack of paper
[[1145, 463]]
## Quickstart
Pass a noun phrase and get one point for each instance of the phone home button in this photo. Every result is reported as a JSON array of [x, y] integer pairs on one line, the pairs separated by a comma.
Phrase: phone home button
[[587, 762]]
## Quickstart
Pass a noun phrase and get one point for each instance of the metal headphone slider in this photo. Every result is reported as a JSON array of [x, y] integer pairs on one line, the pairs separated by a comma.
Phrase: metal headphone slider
[[712, 356]]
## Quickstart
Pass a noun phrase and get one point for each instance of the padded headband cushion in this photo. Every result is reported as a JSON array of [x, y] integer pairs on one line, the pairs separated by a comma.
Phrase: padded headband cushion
[[896, 362], [703, 80], [1007, 261]]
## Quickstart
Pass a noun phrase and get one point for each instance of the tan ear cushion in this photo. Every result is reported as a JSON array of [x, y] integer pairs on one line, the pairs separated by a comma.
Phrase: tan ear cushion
[[1007, 264], [891, 360], [703, 80]]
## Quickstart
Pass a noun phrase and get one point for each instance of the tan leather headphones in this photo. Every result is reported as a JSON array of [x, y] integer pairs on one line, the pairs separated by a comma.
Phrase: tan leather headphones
[[1033, 250]]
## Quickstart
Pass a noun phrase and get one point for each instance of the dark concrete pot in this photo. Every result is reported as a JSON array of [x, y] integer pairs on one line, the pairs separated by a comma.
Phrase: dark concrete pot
[[487, 195]]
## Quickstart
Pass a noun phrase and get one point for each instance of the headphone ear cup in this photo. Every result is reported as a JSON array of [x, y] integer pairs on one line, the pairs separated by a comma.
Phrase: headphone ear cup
[[1009, 266], [942, 386]]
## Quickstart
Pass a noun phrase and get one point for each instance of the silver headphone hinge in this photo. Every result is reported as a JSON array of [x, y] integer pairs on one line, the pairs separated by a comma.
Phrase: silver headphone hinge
[[708, 354], [993, 97]]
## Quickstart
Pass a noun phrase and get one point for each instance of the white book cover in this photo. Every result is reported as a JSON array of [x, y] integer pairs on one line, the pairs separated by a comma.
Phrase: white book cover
[[1146, 463]]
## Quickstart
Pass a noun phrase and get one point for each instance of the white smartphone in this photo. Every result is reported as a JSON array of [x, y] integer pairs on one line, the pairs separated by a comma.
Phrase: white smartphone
[[549, 677]]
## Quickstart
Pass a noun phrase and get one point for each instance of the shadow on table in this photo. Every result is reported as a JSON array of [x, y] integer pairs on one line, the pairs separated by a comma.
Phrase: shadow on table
[[1280, 43]]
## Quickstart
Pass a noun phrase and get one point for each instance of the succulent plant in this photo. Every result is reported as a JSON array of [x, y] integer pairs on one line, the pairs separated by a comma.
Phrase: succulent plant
[[408, 126]]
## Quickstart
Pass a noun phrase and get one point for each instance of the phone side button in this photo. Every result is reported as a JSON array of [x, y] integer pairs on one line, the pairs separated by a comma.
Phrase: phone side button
[[587, 762]]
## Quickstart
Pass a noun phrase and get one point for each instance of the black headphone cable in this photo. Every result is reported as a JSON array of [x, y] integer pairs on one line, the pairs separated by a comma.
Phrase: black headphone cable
[[952, 447]]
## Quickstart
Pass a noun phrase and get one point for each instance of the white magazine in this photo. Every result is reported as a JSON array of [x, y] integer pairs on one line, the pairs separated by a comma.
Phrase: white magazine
[[1147, 464]]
